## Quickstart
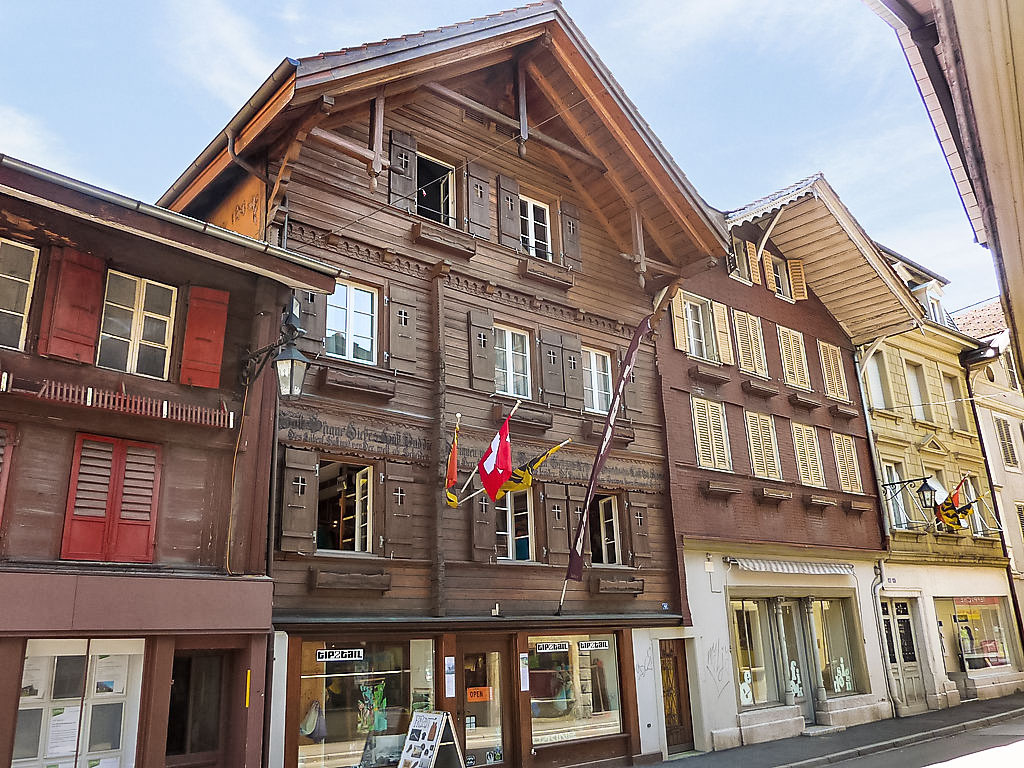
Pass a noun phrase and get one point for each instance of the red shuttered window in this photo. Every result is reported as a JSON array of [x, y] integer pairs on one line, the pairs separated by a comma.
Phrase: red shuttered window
[[72, 306], [112, 501], [204, 337]]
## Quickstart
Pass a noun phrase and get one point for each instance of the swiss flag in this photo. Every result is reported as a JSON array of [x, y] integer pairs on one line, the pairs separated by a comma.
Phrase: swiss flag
[[496, 465]]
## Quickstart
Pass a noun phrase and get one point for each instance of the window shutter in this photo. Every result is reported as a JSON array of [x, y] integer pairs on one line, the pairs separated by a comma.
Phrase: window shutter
[[134, 517], [771, 448], [758, 462], [846, 463], [300, 497], [757, 344], [89, 497], [484, 538], [481, 349], [752, 260], [572, 250], [769, 273], [203, 350], [630, 393], [750, 343], [678, 308], [72, 306], [7, 433], [572, 371], [578, 495], [509, 231], [794, 358], [398, 529], [313, 317], [1006, 446], [719, 440], [702, 432], [402, 180], [551, 367], [639, 519], [402, 329], [797, 280], [722, 335], [478, 195], [556, 515], [808, 457]]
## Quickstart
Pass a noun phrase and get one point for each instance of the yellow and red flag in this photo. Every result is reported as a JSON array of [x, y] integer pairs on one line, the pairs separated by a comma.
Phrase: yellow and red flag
[[451, 475]]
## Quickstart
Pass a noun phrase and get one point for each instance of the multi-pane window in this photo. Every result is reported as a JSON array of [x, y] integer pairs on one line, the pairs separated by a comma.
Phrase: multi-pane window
[[709, 432], [17, 279], [808, 456], [917, 387], [878, 381], [896, 494], [753, 652], [700, 327], [597, 380], [749, 343], [515, 526], [764, 450], [511, 362], [794, 358], [535, 228], [739, 264], [345, 507], [352, 323], [954, 402], [832, 371], [138, 320], [781, 274], [846, 463], [604, 531]]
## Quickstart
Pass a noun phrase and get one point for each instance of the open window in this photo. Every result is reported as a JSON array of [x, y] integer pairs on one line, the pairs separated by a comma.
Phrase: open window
[[435, 193], [515, 529], [345, 507], [605, 538], [535, 228]]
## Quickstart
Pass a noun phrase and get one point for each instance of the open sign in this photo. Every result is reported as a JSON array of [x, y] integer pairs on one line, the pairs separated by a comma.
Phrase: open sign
[[481, 693]]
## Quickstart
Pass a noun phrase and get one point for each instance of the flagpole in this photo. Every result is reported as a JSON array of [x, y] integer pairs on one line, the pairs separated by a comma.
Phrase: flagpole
[[565, 583], [477, 468]]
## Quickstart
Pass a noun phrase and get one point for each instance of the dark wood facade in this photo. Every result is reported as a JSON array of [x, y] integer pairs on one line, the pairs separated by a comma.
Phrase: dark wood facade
[[126, 518]]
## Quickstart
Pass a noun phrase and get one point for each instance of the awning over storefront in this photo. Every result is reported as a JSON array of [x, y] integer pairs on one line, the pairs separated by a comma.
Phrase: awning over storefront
[[791, 566]]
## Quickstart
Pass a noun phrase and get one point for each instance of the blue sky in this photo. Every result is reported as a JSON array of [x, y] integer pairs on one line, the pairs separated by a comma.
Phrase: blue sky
[[748, 95]]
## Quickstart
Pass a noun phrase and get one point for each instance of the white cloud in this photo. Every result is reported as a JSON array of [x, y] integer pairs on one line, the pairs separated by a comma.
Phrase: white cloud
[[25, 137]]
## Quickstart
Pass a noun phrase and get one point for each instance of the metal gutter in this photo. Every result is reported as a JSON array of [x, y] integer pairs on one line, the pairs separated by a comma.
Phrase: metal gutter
[[169, 216]]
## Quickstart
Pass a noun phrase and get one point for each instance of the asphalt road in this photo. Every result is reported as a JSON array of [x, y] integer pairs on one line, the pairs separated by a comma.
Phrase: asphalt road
[[993, 747]]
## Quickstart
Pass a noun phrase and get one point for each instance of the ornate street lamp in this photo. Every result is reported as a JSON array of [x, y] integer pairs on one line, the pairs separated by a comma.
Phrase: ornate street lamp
[[291, 364], [926, 493]]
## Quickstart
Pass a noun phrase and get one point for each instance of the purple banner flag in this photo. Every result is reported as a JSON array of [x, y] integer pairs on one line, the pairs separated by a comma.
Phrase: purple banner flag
[[575, 571]]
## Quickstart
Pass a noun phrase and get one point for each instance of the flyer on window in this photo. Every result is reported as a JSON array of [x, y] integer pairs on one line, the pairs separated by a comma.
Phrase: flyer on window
[[111, 674], [34, 676], [62, 738]]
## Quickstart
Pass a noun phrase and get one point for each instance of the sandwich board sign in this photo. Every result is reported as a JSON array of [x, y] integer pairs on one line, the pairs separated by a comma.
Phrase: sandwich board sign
[[430, 742]]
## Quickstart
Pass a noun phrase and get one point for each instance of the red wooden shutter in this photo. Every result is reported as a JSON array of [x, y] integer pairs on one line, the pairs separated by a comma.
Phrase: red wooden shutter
[[85, 523], [72, 306], [133, 517], [204, 337]]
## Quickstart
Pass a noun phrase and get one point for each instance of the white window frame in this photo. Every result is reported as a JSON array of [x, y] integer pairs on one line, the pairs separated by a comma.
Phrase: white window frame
[[505, 510], [742, 271], [919, 408], [504, 380], [953, 395], [529, 240], [895, 496], [31, 284], [362, 542], [607, 510], [698, 314], [592, 380], [780, 268], [1010, 366], [878, 378], [138, 319], [774, 456], [450, 214], [350, 313]]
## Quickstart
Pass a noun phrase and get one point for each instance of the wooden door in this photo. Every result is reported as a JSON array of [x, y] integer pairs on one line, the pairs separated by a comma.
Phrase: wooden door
[[675, 692], [486, 702], [902, 654]]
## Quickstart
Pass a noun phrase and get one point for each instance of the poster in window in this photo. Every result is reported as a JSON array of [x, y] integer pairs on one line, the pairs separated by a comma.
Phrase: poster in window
[[62, 738], [34, 677], [111, 674]]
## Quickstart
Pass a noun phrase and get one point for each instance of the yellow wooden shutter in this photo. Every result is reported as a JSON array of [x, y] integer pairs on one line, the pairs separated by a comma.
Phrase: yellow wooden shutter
[[757, 452], [744, 351], [832, 369], [1006, 441], [679, 322], [719, 440], [757, 342], [808, 457], [794, 358], [771, 448], [846, 463], [722, 335], [769, 273], [702, 432], [797, 281], [755, 268]]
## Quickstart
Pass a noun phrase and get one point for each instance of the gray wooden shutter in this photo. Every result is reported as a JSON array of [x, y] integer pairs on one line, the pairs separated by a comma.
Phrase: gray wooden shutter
[[402, 327], [577, 495], [509, 227], [478, 185], [402, 187], [482, 519], [630, 399], [572, 371], [300, 494], [551, 375], [557, 516], [572, 252], [639, 520], [313, 316], [481, 349], [398, 529]]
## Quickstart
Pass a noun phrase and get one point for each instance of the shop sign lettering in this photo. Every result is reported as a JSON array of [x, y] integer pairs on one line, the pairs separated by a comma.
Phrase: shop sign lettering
[[351, 435], [593, 645], [552, 647], [324, 655], [482, 693]]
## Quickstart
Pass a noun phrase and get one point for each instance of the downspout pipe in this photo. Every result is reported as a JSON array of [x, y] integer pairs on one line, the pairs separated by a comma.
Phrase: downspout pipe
[[875, 463], [876, 602]]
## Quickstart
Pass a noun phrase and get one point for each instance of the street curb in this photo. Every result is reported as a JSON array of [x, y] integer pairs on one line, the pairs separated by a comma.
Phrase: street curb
[[903, 741]]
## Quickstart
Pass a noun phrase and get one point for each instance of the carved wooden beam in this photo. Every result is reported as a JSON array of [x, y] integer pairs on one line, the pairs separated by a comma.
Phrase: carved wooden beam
[[524, 126], [639, 254], [347, 147], [763, 239], [376, 138], [314, 114]]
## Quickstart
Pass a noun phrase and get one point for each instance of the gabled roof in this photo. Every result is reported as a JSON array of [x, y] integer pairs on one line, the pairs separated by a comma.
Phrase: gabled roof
[[351, 76], [913, 266], [982, 322], [843, 267]]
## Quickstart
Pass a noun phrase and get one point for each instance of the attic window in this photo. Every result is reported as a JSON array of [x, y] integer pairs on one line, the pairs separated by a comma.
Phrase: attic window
[[781, 271], [434, 199]]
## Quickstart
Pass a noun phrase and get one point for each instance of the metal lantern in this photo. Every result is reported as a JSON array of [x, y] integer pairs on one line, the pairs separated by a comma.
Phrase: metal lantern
[[291, 370], [926, 493]]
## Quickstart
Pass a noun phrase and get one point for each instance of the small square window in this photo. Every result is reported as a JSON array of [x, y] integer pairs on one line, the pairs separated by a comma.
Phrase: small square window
[[403, 317]]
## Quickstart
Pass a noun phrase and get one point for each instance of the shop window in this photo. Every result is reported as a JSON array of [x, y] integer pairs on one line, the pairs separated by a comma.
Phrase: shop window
[[515, 526], [878, 381], [434, 196], [604, 531], [597, 380], [535, 227], [194, 721], [345, 507], [352, 323], [366, 692], [138, 320], [753, 652], [17, 279], [79, 698], [574, 687], [831, 624], [976, 633], [511, 362]]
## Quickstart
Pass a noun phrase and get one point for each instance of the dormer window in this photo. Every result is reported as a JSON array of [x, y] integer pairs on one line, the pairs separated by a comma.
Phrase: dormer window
[[781, 273], [935, 311]]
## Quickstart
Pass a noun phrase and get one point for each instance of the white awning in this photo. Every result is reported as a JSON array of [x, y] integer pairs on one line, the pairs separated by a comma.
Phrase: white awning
[[792, 566]]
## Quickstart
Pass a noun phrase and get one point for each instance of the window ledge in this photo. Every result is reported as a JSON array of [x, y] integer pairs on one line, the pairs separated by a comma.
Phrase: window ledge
[[841, 411], [366, 380], [785, 298], [349, 581], [769, 495], [802, 400], [613, 586], [886, 413], [624, 434], [708, 373], [427, 232], [546, 272], [819, 501], [964, 433], [741, 279], [759, 388], [926, 423], [720, 489], [529, 416], [858, 507]]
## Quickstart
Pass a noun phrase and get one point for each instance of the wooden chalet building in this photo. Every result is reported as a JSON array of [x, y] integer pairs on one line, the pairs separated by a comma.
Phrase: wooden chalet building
[[772, 484], [477, 270], [134, 605]]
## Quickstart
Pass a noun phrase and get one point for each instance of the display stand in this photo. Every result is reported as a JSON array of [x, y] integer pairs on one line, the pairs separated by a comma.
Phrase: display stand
[[431, 743]]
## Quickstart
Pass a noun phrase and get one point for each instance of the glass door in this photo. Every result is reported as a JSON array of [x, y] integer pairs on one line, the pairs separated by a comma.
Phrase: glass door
[[798, 678], [484, 714]]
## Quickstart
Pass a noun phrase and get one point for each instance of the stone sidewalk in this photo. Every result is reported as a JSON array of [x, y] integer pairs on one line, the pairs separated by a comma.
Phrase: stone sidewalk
[[809, 751]]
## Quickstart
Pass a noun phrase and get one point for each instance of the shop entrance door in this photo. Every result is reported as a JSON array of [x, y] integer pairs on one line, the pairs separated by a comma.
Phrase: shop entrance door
[[902, 656], [675, 693], [798, 677], [484, 710]]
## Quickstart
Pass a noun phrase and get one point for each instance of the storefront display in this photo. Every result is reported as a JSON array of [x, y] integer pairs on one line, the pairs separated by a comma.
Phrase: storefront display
[[975, 633], [754, 653], [79, 697], [356, 700], [834, 647], [574, 687]]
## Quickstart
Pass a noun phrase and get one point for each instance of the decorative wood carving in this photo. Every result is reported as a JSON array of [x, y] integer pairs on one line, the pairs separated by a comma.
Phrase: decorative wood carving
[[369, 382], [546, 272], [341, 580], [454, 241], [599, 586]]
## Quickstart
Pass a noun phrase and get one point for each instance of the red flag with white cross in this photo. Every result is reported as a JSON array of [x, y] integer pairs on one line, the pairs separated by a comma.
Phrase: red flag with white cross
[[496, 464]]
